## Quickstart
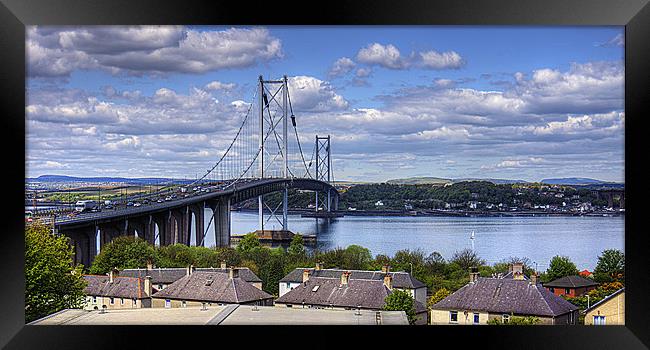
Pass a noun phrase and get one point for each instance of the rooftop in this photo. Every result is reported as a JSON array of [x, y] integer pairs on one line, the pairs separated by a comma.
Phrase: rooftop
[[368, 294], [400, 279], [212, 287], [222, 315], [507, 296], [121, 287], [571, 282], [173, 274]]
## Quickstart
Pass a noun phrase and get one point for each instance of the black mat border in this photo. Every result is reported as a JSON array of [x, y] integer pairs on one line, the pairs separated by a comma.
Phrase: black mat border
[[635, 15]]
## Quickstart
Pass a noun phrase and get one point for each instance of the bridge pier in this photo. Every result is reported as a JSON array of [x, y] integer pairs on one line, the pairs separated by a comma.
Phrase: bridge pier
[[160, 220], [221, 212], [84, 244], [197, 209]]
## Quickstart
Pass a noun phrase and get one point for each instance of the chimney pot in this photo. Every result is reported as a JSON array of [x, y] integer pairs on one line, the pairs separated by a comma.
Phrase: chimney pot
[[112, 274], [388, 281], [305, 275], [385, 268], [147, 286], [233, 273], [534, 279], [319, 266], [189, 270], [473, 274], [149, 265], [223, 264], [345, 278]]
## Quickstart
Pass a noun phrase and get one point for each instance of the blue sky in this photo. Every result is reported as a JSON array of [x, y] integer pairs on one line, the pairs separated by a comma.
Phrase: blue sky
[[449, 101]]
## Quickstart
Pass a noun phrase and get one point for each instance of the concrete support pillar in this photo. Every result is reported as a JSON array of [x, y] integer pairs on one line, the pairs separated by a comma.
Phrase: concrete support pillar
[[149, 229], [187, 226], [221, 209], [160, 220], [198, 223]]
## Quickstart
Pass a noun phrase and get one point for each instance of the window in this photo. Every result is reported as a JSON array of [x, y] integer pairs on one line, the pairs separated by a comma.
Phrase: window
[[476, 318], [160, 287], [289, 305], [599, 320], [168, 303], [567, 291], [183, 303], [453, 316], [121, 301], [112, 301], [505, 318], [552, 290], [94, 300], [135, 302]]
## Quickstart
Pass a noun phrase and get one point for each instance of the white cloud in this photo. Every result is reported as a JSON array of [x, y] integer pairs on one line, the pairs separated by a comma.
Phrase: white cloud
[[341, 67], [146, 49], [445, 60], [387, 56], [217, 85], [314, 95]]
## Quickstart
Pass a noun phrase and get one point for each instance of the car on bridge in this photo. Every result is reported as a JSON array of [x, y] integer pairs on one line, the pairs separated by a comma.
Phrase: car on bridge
[[129, 204]]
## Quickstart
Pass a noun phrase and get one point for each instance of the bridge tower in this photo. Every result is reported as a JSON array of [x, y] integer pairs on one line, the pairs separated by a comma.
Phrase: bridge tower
[[273, 161], [323, 166]]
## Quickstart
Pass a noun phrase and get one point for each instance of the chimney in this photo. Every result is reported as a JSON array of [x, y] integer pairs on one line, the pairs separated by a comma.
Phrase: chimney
[[189, 270], [233, 273], [149, 265], [388, 281], [147, 286], [534, 279], [319, 266], [305, 275], [223, 264], [112, 274], [385, 268], [518, 270], [345, 278], [473, 274]]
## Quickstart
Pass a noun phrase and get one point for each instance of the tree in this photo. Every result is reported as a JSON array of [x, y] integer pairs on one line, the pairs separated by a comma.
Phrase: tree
[[175, 255], [400, 300], [296, 248], [356, 257], [610, 266], [561, 266], [435, 263], [124, 252], [51, 282], [248, 243], [467, 258], [437, 297]]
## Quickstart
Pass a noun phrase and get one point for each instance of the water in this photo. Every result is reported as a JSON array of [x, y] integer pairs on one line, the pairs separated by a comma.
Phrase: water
[[538, 238]]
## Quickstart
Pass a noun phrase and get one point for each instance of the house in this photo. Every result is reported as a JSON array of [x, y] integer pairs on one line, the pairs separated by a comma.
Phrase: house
[[163, 277], [204, 287], [586, 273], [400, 280], [571, 286], [485, 299], [344, 293], [116, 292], [609, 311]]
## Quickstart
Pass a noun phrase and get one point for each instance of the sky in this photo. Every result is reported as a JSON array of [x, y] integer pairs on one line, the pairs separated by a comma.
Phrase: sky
[[508, 102]]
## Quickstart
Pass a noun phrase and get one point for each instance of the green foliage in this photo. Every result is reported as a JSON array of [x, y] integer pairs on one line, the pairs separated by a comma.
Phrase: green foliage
[[400, 300], [516, 321], [175, 255], [595, 295], [610, 267], [560, 266], [356, 257], [123, 252], [437, 297], [51, 282], [467, 258], [296, 248], [248, 243]]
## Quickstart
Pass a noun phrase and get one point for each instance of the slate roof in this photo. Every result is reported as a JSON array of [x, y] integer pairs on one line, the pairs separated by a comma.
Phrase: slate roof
[[223, 289], [571, 282], [171, 275], [364, 293], [400, 279], [122, 287], [507, 296]]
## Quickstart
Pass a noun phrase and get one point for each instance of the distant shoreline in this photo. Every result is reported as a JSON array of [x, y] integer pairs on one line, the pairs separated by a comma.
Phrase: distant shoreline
[[452, 213]]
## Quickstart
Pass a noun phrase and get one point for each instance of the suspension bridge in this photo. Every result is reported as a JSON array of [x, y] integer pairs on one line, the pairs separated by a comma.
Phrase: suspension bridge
[[265, 156]]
